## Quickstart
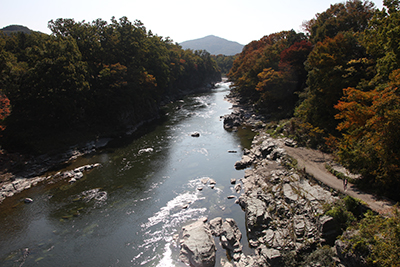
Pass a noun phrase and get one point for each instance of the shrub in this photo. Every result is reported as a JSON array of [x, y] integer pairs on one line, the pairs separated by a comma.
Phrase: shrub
[[379, 238]]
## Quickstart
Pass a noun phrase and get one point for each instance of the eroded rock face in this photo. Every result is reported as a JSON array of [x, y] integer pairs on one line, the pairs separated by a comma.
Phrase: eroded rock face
[[244, 163], [230, 238], [197, 245], [256, 212], [329, 228]]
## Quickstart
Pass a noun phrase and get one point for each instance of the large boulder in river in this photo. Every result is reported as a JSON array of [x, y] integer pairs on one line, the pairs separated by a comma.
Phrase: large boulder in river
[[244, 163], [197, 245], [234, 119]]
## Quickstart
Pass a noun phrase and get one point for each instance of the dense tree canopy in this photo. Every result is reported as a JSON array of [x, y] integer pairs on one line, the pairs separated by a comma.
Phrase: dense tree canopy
[[333, 64], [269, 71], [370, 118], [225, 63], [351, 16], [112, 74]]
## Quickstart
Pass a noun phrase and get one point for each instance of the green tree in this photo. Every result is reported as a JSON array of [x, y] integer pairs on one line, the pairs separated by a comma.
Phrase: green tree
[[49, 89], [382, 40], [225, 63], [351, 16]]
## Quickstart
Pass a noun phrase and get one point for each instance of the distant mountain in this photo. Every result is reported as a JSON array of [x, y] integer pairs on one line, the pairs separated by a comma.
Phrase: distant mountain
[[214, 45], [16, 28]]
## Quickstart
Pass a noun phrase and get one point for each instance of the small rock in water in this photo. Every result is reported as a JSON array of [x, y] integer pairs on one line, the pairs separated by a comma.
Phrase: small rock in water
[[212, 181], [204, 180], [195, 134], [145, 150], [231, 196], [238, 187], [233, 181], [28, 200], [200, 188], [185, 206], [232, 151]]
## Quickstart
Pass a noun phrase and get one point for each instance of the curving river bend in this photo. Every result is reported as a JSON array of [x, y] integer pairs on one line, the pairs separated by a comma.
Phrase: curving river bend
[[127, 212]]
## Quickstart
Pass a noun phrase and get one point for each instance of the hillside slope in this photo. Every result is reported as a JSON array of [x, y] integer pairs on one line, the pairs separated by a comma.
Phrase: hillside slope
[[16, 28], [214, 45]]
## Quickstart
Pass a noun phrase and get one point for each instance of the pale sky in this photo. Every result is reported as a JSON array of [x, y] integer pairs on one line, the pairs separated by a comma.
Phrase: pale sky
[[236, 20]]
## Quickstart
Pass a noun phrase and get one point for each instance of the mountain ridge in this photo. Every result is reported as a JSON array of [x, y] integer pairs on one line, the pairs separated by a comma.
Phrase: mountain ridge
[[214, 45], [14, 28]]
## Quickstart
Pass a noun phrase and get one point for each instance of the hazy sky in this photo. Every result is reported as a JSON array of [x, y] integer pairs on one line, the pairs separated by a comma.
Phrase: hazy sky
[[237, 20]]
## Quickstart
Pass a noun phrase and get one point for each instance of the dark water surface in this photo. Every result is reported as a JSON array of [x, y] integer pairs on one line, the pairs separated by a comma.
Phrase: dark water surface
[[126, 212]]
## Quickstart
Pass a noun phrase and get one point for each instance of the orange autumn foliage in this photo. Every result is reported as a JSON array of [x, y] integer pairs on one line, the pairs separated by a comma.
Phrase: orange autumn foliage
[[5, 109], [371, 129]]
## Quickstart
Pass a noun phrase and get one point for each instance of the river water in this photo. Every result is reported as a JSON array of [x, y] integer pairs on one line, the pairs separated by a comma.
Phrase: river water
[[127, 212]]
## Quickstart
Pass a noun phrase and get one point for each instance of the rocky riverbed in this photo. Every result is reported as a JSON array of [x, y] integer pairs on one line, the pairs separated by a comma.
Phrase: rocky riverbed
[[284, 211]]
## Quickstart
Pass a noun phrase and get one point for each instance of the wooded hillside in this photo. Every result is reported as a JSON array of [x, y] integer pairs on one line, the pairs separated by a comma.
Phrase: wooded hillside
[[94, 76], [340, 81]]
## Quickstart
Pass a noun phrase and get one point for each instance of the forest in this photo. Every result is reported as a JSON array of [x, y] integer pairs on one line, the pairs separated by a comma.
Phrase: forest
[[86, 79], [338, 83], [336, 86]]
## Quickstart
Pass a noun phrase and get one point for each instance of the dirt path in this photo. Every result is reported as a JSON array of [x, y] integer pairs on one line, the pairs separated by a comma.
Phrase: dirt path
[[314, 163]]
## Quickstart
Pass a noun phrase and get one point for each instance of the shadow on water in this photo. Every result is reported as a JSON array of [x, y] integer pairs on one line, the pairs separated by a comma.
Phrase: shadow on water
[[245, 136]]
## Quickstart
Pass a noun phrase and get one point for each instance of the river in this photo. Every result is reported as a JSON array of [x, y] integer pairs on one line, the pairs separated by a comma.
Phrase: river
[[127, 211]]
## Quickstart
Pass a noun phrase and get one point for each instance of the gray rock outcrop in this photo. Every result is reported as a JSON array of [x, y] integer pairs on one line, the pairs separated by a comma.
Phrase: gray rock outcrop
[[197, 245], [233, 120], [268, 148]]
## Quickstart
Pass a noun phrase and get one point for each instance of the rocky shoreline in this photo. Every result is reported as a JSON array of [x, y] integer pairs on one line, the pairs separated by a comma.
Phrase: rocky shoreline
[[18, 184], [34, 169], [284, 214], [284, 211]]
